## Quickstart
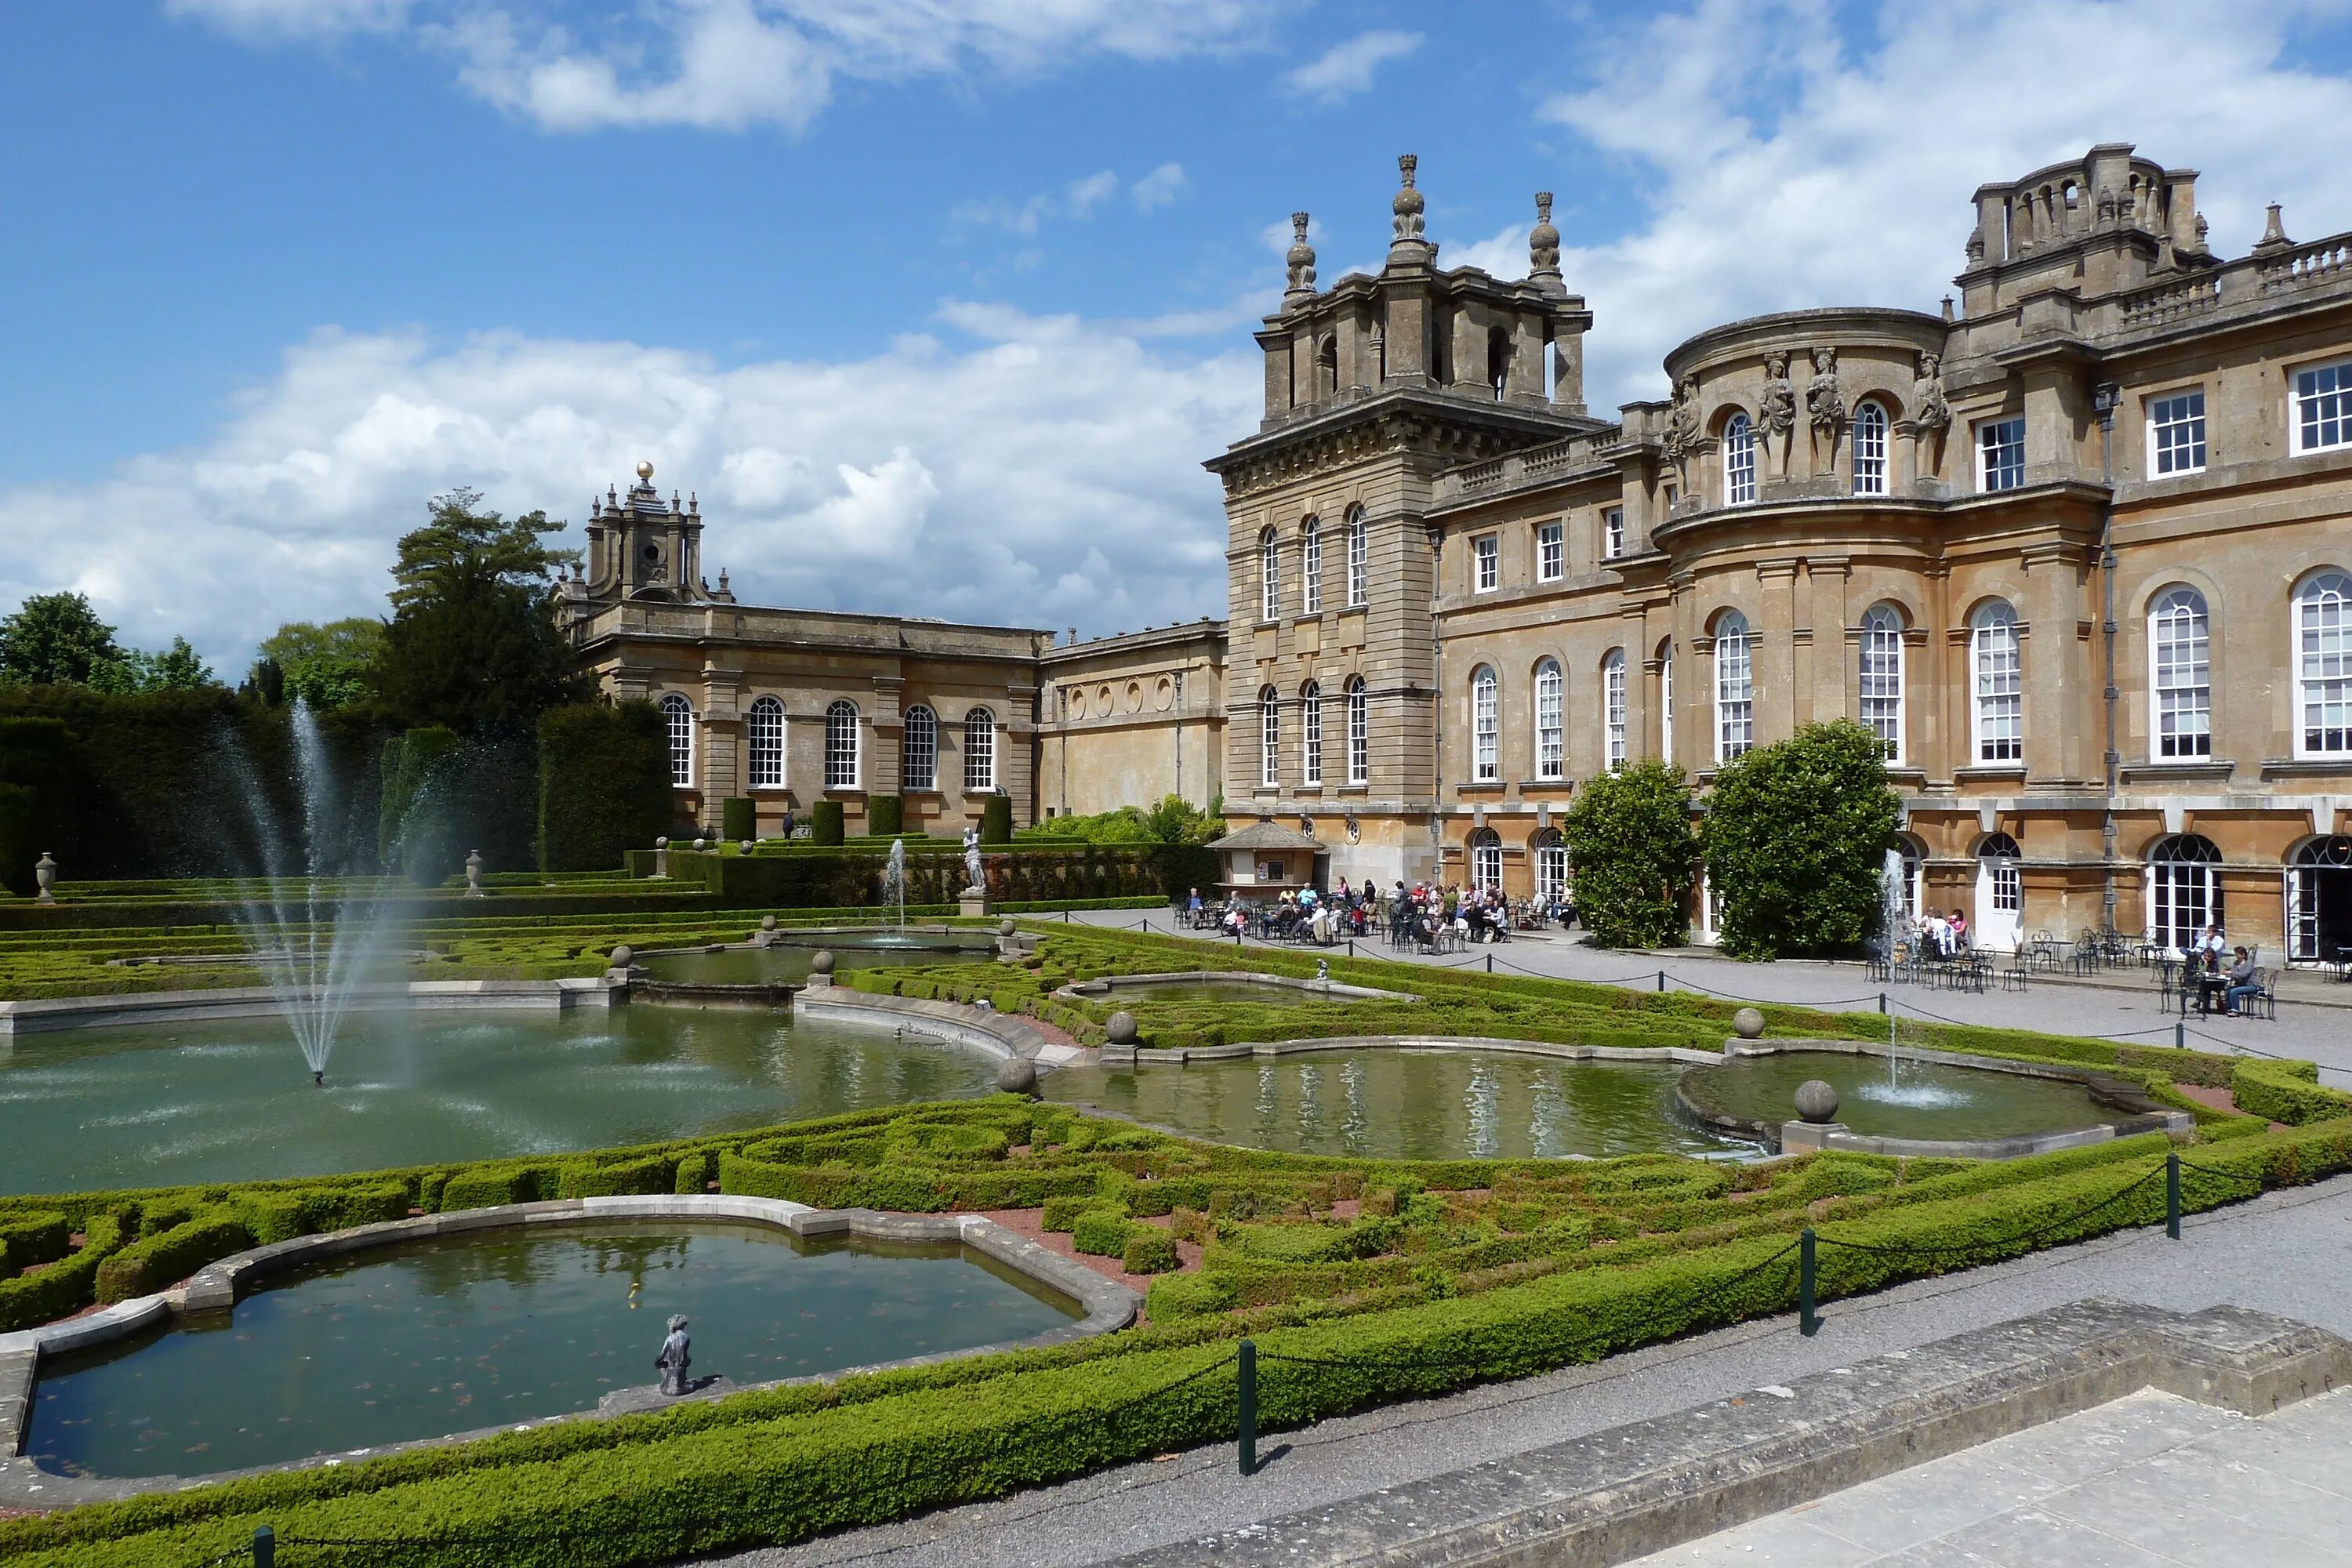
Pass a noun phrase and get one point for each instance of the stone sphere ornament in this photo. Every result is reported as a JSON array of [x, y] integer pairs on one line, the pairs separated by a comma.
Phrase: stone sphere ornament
[[701, 844], [1120, 1029], [1017, 1074], [823, 963], [767, 922], [661, 843], [624, 955], [1006, 928], [1817, 1102], [1748, 1023], [745, 847]]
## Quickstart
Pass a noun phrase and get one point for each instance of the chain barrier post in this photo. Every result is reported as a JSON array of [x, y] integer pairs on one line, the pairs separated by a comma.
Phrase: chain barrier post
[[264, 1547], [1809, 1322], [2172, 1194], [1351, 947], [1662, 981], [2180, 1034], [1490, 963], [1882, 1004], [1245, 1397]]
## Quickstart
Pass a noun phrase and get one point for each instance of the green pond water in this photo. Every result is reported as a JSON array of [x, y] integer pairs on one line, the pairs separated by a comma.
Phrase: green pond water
[[1926, 1099], [1402, 1104], [1257, 991], [457, 1334], [752, 966], [223, 1101]]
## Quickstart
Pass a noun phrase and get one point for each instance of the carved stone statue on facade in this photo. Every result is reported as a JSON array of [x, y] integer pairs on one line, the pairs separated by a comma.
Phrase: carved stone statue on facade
[[1300, 261], [1825, 410], [972, 866], [1682, 429], [1930, 414], [1775, 414], [673, 1360]]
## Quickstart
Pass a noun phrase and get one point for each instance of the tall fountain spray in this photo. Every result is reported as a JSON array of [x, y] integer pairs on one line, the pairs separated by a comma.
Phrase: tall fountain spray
[[894, 878], [311, 942], [1890, 921]]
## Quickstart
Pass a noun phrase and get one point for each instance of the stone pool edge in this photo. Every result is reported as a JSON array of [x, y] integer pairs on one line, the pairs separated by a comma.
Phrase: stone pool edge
[[49, 1014], [1108, 1306]]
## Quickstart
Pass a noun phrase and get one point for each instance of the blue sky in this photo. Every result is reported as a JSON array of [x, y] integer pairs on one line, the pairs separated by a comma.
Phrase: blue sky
[[938, 305]]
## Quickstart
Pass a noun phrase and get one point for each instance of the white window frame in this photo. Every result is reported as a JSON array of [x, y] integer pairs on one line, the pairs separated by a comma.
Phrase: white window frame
[[1612, 707], [1552, 552], [1666, 702], [1485, 720], [2322, 634], [1486, 563], [1269, 738], [1269, 576], [844, 744], [1486, 859], [1310, 733], [1997, 672], [2184, 893], [2179, 675], [1739, 461], [763, 744], [1359, 731], [1735, 688], [1550, 865], [1552, 703], [1310, 568], [1869, 447], [2176, 434], [1612, 531], [2000, 454], [919, 750], [980, 752], [678, 722], [1360, 562], [1881, 678], [2320, 406]]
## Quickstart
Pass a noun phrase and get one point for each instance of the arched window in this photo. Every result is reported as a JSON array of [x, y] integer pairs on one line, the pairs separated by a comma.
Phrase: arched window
[[1311, 732], [1996, 658], [1735, 688], [1739, 461], [765, 733], [919, 750], [2319, 901], [2184, 888], [1269, 737], [1498, 360], [2180, 675], [1360, 560], [1869, 448], [1327, 366], [2323, 668], [1485, 762], [1612, 707], [2000, 893], [841, 745], [1666, 702], [1486, 859], [979, 752], [1551, 865], [1548, 737], [1914, 875], [1882, 678], [1269, 576], [1359, 731], [1310, 567], [677, 716]]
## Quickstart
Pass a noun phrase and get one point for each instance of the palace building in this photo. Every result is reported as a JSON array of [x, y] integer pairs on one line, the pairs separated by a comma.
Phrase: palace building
[[2075, 544]]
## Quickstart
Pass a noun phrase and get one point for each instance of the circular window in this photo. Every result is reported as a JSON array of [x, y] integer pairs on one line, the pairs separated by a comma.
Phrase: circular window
[[653, 552], [1102, 699], [1135, 696], [1077, 704], [1163, 696]]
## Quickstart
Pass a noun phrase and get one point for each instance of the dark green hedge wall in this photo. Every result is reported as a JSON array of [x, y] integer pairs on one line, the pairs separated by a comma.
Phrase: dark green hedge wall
[[824, 822], [885, 814], [996, 819], [603, 784], [738, 819], [853, 878], [37, 798]]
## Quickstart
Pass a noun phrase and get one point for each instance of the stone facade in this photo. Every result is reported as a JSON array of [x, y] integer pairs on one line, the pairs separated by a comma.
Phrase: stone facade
[[1131, 719], [2120, 462]]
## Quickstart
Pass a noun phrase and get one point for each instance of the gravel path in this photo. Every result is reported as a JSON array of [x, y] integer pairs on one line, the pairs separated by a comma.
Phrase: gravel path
[[2289, 1252]]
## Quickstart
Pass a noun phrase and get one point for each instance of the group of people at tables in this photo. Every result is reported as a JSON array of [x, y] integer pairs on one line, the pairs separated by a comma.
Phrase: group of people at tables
[[2218, 969], [1428, 913]]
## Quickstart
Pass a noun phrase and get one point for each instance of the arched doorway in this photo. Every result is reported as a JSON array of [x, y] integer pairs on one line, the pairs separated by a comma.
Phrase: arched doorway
[[1551, 865], [2319, 901], [1486, 859], [2000, 893], [2184, 890]]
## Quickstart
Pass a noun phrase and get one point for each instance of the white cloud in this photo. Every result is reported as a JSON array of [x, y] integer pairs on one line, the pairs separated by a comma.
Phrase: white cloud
[[1788, 166], [727, 65], [1043, 472], [1081, 197], [1347, 68], [1158, 188]]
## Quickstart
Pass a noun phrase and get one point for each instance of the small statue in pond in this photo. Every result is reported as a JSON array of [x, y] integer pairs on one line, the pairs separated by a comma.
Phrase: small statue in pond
[[971, 866], [673, 1360]]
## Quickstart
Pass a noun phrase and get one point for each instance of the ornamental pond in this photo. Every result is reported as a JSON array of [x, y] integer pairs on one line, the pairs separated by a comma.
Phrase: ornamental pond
[[790, 962], [429, 1337]]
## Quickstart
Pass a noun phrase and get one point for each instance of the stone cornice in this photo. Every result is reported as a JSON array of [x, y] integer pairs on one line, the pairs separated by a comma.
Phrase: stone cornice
[[1438, 427]]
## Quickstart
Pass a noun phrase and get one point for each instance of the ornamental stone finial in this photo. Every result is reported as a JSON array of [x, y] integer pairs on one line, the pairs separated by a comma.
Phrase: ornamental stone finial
[[1301, 260], [644, 473], [1408, 206], [2274, 230], [1543, 245]]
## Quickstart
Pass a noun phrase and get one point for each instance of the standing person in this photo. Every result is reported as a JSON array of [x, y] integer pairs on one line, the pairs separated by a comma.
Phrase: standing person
[[788, 823]]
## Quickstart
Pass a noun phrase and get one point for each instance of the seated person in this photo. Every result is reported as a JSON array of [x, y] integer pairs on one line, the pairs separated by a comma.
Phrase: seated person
[[2243, 983]]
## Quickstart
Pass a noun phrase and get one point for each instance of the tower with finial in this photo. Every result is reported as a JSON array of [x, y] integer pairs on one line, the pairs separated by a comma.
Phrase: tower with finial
[[1301, 262], [1405, 243], [641, 546], [1543, 250]]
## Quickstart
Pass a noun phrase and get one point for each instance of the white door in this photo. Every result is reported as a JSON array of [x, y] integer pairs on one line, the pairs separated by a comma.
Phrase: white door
[[2000, 902]]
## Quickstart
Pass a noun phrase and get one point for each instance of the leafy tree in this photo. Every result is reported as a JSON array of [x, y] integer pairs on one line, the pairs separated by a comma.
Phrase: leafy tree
[[176, 668], [1629, 837], [57, 639], [327, 666], [472, 642], [1796, 833], [1174, 820]]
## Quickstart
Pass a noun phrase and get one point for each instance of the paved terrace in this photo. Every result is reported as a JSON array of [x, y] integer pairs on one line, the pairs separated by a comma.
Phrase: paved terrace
[[2315, 1019]]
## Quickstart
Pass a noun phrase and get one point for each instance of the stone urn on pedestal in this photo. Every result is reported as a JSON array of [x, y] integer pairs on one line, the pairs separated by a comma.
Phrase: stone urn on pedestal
[[44, 873], [474, 875]]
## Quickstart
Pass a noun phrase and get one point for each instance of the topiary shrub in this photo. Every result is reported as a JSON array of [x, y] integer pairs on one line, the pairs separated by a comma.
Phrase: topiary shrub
[[1150, 1250], [581, 1179], [885, 814], [1796, 835], [824, 822], [489, 1189], [145, 1266], [1629, 838], [996, 819], [65, 1287], [35, 1238], [693, 1171], [1102, 1233], [738, 819], [1062, 1213]]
